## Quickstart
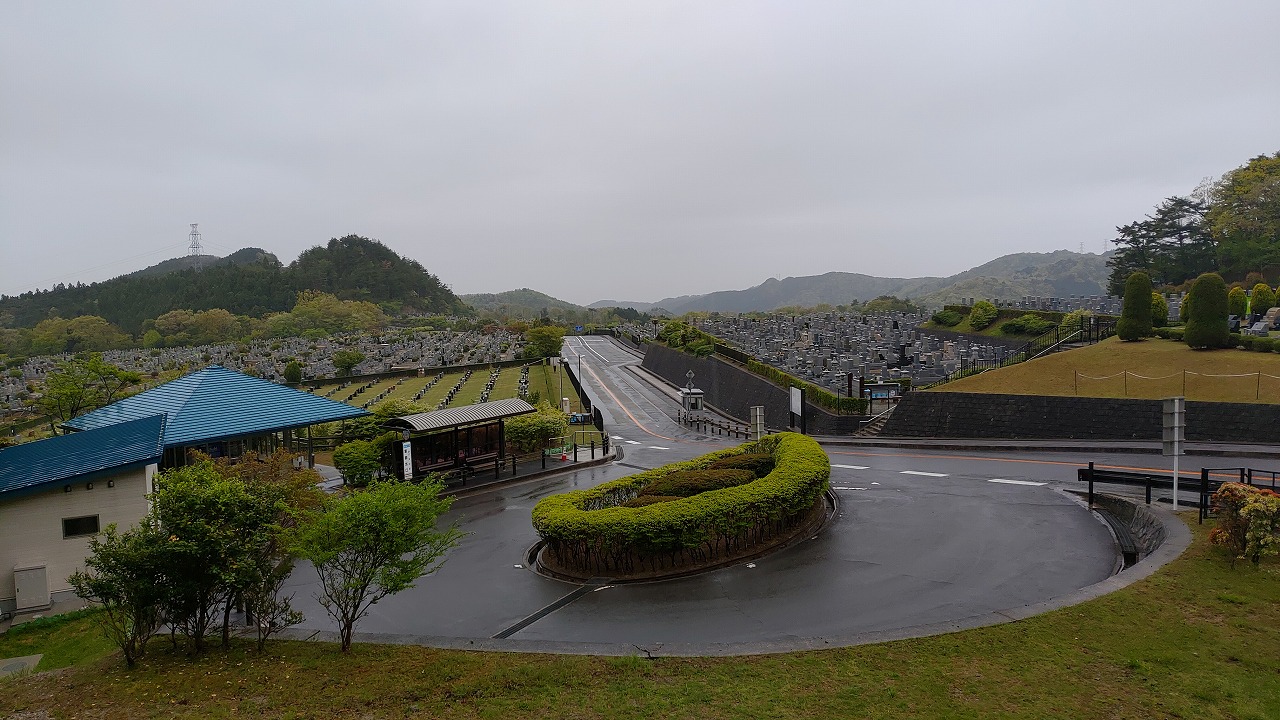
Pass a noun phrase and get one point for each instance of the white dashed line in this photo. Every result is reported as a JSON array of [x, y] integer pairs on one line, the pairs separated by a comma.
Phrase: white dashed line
[[851, 467], [848, 488], [1015, 482], [658, 447], [925, 474], [615, 437], [631, 442]]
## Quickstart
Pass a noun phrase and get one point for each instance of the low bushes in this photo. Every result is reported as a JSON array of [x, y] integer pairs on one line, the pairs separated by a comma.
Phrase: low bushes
[[947, 318], [1248, 521], [594, 533], [982, 315], [687, 483], [1027, 325], [760, 464]]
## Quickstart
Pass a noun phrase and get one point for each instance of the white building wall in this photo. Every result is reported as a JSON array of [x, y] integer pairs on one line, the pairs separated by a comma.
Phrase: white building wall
[[31, 526]]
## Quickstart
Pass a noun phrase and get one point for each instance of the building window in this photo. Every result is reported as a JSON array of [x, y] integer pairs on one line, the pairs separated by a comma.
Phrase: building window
[[78, 526]]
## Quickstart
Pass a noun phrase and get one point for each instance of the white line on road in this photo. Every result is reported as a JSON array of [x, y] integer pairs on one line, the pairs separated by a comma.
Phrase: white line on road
[[851, 467], [848, 488], [925, 474], [615, 437], [631, 442], [1016, 482], [658, 447]]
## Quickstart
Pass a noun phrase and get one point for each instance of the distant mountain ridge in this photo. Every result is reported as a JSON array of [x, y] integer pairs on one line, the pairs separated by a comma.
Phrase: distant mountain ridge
[[1061, 273], [243, 256], [519, 303]]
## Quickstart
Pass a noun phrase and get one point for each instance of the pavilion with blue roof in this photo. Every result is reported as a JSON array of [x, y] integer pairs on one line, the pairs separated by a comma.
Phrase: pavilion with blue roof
[[222, 413]]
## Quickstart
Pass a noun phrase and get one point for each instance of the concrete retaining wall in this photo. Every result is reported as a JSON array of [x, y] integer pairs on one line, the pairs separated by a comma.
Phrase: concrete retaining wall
[[1147, 529], [975, 415], [734, 390]]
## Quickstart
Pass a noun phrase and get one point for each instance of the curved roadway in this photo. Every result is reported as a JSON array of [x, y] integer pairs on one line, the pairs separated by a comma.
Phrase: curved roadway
[[921, 538]]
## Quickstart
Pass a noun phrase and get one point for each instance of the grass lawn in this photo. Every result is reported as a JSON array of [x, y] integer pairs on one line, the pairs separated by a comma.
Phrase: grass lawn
[[1155, 369], [1196, 640]]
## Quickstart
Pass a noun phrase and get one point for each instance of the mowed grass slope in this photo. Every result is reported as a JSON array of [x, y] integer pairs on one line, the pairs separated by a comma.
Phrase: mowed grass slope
[[1197, 639], [1146, 369]]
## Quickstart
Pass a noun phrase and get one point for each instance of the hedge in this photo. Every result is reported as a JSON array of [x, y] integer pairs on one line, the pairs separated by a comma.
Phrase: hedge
[[590, 533], [686, 483], [760, 464], [812, 393]]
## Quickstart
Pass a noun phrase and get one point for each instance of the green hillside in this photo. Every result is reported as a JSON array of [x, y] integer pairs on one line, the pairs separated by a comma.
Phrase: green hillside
[[352, 268]]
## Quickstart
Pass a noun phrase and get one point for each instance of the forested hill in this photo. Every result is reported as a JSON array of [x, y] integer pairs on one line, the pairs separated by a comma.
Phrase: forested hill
[[352, 268]]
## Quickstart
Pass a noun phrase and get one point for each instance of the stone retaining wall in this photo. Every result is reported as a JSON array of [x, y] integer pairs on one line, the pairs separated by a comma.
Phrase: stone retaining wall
[[979, 415], [734, 390], [1147, 529]]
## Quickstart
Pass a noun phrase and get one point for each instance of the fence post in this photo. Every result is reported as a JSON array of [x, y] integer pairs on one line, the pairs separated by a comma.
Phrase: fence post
[[1091, 484], [575, 451], [497, 467], [1204, 495], [1148, 489], [593, 449]]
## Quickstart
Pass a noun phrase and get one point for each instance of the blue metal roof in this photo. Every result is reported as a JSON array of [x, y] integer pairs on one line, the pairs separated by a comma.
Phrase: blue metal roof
[[216, 403], [31, 465]]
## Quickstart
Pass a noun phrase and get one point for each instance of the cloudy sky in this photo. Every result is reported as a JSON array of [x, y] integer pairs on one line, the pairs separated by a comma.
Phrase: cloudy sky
[[597, 150]]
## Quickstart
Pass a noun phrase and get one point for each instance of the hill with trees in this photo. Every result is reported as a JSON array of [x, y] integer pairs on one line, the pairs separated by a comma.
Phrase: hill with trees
[[254, 283]]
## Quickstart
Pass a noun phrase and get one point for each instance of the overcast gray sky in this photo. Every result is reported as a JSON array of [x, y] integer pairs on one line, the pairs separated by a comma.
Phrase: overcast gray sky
[[615, 150]]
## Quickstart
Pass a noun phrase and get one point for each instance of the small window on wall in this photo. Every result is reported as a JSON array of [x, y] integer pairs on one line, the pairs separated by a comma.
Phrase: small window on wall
[[79, 526]]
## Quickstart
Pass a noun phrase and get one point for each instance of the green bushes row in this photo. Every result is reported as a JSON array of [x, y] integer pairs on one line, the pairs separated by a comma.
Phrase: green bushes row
[[592, 532], [687, 483], [760, 464], [1168, 333], [1027, 324], [947, 318], [1248, 521]]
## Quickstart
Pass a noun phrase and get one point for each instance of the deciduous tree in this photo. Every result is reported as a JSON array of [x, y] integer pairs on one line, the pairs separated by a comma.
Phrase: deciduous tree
[[374, 543]]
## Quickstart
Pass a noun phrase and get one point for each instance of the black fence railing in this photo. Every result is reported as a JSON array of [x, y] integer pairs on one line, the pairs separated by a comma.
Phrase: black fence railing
[[1090, 331]]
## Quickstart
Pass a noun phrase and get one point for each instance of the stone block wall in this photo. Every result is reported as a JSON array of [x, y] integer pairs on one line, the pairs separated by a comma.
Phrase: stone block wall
[[977, 415], [734, 390]]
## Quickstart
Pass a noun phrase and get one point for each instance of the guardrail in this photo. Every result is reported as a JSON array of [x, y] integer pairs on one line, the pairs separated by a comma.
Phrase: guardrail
[[1206, 486]]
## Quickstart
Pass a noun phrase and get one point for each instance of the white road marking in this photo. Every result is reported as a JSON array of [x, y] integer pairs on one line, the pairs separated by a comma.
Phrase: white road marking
[[658, 447], [925, 474], [1015, 482], [615, 437], [847, 488], [631, 442], [851, 467]]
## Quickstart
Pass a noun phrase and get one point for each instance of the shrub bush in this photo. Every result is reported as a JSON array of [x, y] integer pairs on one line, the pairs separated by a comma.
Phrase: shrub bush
[[947, 318], [760, 464], [1207, 315], [1248, 521], [1237, 302], [1176, 333], [1159, 310], [1244, 341], [1263, 299], [588, 532], [982, 315], [687, 483], [1027, 325], [1234, 340], [1135, 313], [642, 500]]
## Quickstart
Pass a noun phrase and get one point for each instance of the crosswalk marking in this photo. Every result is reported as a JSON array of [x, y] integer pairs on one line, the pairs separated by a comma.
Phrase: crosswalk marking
[[1015, 482], [920, 472], [851, 467]]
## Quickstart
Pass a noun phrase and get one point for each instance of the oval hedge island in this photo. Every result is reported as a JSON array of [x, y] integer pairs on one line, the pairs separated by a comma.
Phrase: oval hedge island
[[687, 516]]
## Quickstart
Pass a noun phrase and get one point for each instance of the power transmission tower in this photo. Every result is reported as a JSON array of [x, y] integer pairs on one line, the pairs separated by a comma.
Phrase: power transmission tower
[[194, 250]]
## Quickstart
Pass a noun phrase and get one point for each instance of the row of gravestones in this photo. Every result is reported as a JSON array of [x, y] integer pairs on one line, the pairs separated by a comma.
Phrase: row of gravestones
[[522, 386], [454, 391], [378, 398], [432, 383], [488, 386], [360, 390], [333, 391]]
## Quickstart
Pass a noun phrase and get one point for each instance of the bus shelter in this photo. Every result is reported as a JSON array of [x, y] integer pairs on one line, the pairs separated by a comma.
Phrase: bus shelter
[[454, 438]]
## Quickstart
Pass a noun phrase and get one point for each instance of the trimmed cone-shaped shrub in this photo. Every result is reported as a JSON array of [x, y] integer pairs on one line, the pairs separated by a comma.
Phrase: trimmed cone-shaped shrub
[[1237, 302], [1159, 310], [982, 315], [1264, 298], [1135, 314], [1207, 316]]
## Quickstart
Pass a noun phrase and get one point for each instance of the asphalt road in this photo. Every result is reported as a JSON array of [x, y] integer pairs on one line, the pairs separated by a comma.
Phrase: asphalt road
[[921, 538]]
